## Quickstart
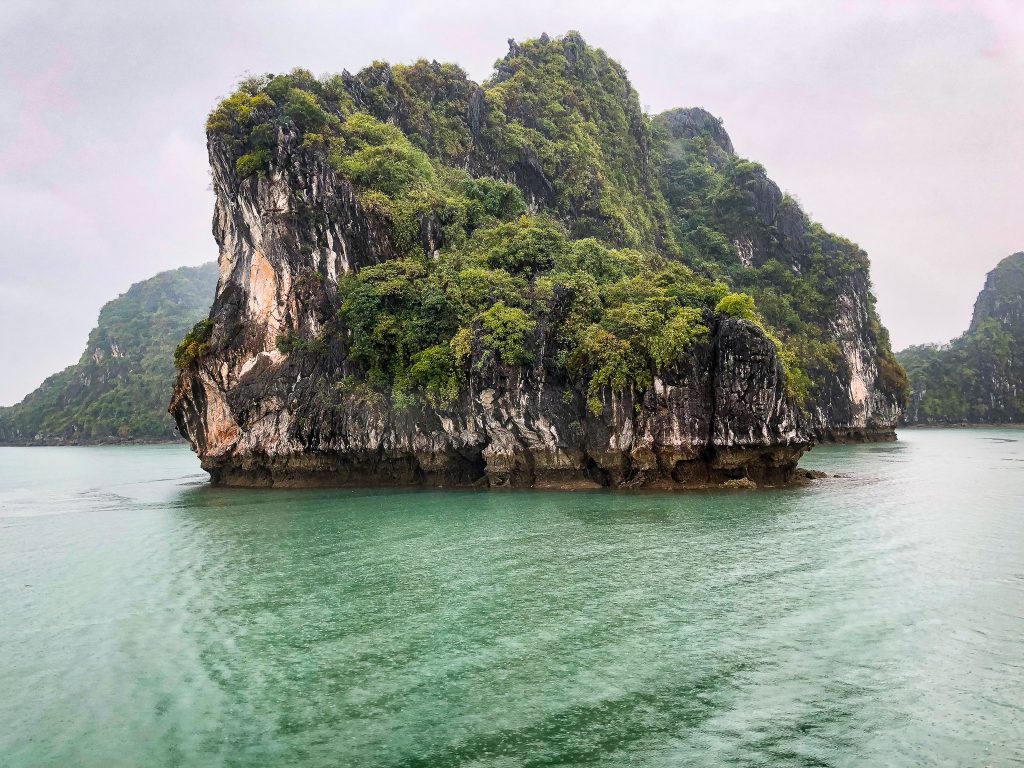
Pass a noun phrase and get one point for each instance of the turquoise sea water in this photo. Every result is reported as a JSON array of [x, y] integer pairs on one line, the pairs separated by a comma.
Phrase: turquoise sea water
[[147, 619]]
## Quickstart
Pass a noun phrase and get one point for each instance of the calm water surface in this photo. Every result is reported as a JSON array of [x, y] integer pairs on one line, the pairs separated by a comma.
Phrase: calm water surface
[[147, 619]]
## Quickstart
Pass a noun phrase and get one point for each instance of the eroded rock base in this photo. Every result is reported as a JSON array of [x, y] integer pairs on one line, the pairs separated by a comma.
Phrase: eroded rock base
[[767, 468], [852, 436]]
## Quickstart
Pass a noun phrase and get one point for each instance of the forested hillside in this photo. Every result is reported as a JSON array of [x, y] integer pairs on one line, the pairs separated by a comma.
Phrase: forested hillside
[[978, 378], [118, 389]]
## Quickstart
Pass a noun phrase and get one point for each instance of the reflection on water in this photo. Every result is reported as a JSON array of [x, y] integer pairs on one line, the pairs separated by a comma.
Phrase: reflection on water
[[872, 619]]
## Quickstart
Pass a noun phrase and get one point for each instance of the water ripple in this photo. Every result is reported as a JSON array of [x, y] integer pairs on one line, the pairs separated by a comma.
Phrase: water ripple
[[872, 619]]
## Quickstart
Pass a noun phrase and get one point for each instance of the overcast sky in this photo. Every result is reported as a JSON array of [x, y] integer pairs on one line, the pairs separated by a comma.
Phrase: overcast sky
[[897, 123]]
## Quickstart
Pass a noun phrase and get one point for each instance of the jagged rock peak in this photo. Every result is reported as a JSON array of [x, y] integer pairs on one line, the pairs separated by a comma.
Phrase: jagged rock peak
[[690, 122], [1002, 298]]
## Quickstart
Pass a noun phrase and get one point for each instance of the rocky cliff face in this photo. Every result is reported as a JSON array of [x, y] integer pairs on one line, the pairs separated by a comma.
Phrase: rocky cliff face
[[977, 378], [1001, 300], [278, 389], [259, 416], [806, 280]]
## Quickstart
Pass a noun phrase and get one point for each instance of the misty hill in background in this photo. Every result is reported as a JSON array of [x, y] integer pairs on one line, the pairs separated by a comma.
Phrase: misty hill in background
[[977, 378], [119, 388]]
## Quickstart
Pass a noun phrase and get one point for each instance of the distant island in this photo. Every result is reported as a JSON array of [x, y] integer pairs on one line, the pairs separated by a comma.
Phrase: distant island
[[524, 282], [977, 378], [117, 391]]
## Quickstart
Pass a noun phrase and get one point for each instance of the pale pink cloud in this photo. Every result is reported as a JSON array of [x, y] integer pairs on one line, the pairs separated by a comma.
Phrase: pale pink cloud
[[43, 101], [1005, 18]]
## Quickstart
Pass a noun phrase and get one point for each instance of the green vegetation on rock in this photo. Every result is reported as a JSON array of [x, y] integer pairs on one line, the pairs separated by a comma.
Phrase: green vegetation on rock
[[552, 203], [726, 211], [194, 345], [619, 314]]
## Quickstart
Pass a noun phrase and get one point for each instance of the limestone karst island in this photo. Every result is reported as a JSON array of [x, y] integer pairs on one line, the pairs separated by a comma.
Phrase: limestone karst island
[[510, 416], [530, 282]]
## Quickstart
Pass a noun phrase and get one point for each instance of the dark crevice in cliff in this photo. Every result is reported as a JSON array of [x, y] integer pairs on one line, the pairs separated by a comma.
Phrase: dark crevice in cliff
[[595, 472], [709, 445]]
